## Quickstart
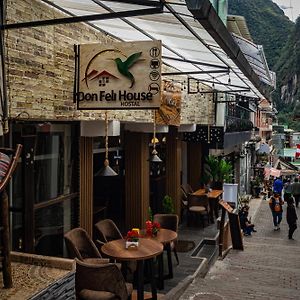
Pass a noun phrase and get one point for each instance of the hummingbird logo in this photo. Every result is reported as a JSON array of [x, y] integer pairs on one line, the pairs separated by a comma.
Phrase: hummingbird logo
[[124, 66]]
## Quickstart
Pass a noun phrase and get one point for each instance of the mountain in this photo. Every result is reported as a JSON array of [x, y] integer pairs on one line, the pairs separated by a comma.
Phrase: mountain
[[281, 41], [267, 24]]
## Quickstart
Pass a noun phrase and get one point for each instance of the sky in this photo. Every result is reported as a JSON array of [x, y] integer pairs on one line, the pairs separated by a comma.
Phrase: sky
[[290, 7]]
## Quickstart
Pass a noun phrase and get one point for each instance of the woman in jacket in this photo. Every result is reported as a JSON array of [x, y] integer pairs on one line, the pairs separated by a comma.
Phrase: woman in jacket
[[275, 204]]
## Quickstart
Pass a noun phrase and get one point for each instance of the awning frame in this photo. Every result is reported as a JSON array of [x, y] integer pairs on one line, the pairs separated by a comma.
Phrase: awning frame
[[157, 7]]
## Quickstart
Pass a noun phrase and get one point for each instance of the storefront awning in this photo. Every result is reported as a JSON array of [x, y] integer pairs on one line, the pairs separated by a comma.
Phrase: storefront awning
[[187, 45]]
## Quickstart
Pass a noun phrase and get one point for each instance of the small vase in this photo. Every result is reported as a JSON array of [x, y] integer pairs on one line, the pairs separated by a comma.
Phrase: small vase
[[131, 245], [154, 233]]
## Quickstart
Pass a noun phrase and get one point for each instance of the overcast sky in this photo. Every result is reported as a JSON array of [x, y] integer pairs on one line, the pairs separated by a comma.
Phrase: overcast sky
[[290, 7]]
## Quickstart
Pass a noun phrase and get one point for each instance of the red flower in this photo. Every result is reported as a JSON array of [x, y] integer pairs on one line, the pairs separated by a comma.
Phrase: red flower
[[156, 225], [132, 235], [152, 228]]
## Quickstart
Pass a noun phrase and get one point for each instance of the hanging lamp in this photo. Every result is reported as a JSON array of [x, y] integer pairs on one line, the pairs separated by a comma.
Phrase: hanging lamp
[[154, 157], [106, 170]]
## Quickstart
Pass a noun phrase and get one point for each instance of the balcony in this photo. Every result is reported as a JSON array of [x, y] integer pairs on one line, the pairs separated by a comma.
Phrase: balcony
[[235, 124]]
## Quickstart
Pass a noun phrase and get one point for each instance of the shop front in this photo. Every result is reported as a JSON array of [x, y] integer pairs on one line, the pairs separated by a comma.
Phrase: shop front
[[57, 185]]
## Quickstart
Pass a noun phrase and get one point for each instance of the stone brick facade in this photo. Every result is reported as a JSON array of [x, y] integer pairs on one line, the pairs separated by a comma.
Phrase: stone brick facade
[[40, 71]]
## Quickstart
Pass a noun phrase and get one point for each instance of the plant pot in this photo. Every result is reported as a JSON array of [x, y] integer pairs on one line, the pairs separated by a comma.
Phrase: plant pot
[[131, 245]]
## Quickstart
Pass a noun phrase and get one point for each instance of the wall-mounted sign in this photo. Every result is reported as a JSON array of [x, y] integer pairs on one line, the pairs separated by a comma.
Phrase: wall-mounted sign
[[119, 75], [169, 111]]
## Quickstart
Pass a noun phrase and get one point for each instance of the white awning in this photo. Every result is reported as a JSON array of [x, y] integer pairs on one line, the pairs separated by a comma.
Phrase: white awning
[[187, 46], [256, 57]]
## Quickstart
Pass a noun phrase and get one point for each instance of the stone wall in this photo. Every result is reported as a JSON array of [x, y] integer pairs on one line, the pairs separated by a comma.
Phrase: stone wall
[[40, 70]]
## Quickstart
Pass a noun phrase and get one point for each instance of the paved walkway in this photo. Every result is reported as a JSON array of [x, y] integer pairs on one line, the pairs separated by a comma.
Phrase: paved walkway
[[268, 268]]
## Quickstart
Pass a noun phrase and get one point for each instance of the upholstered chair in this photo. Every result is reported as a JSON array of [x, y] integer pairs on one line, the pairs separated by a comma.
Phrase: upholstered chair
[[169, 221], [100, 281]]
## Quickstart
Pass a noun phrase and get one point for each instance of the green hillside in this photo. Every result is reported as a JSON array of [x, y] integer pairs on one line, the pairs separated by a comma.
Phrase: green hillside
[[267, 24], [281, 41]]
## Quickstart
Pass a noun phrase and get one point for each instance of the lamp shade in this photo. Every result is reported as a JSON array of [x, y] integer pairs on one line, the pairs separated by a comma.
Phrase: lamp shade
[[154, 157], [106, 170]]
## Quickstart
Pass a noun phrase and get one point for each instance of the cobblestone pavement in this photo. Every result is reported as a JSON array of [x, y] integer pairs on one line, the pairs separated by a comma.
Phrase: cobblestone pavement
[[268, 268]]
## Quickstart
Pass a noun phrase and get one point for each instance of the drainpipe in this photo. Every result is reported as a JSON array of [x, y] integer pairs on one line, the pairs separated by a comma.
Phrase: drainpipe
[[3, 86]]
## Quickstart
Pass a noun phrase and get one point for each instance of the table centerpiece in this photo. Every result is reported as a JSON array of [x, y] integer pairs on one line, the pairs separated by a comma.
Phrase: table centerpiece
[[132, 239], [152, 228]]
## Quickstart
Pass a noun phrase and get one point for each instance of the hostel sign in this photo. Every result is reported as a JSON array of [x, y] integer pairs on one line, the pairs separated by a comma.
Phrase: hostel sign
[[118, 75]]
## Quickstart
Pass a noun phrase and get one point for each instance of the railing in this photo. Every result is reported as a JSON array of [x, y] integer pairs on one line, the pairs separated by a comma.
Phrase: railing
[[234, 124]]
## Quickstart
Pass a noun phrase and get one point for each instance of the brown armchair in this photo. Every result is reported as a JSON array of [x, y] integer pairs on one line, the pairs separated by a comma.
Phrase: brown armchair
[[80, 245], [198, 206], [187, 189], [169, 221], [100, 281], [107, 231]]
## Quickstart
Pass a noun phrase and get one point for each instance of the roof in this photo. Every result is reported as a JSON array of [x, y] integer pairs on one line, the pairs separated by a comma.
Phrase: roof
[[194, 38], [256, 57], [238, 25], [283, 164]]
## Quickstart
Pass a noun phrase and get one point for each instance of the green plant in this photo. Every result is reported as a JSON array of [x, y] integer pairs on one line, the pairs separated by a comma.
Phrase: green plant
[[168, 206], [211, 168], [218, 170], [225, 171]]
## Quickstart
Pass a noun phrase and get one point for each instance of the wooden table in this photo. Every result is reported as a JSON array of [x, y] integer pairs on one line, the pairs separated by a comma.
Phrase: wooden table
[[147, 250], [213, 196], [165, 236]]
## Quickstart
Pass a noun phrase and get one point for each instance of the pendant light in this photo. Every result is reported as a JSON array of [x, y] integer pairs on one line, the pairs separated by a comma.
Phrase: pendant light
[[154, 157], [106, 170]]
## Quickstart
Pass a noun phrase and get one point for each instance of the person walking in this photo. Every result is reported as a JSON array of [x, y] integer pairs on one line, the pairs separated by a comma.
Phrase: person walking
[[295, 189], [291, 216], [275, 204], [278, 186]]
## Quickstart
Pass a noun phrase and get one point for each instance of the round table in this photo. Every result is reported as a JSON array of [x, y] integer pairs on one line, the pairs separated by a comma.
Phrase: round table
[[165, 236], [147, 250]]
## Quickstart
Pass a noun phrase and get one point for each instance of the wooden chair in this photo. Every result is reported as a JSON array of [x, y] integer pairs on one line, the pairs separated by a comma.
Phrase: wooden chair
[[184, 203], [100, 281], [198, 206], [7, 168], [80, 246], [187, 189], [107, 231], [169, 221]]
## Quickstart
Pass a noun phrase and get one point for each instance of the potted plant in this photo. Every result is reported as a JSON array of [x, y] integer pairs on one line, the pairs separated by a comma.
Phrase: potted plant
[[132, 239], [152, 228], [168, 205], [218, 171]]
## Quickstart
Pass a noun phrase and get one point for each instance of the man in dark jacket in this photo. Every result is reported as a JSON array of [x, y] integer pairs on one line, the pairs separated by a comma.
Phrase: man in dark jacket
[[291, 216], [295, 189]]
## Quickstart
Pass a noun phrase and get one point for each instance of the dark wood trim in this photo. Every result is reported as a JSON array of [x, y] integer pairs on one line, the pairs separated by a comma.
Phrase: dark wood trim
[[86, 184], [29, 192], [194, 164], [173, 167], [136, 179]]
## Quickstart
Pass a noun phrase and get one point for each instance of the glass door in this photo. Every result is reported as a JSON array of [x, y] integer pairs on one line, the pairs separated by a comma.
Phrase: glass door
[[44, 196]]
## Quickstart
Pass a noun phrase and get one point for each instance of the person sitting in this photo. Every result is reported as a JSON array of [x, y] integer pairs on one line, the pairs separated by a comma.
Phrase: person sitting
[[245, 222]]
